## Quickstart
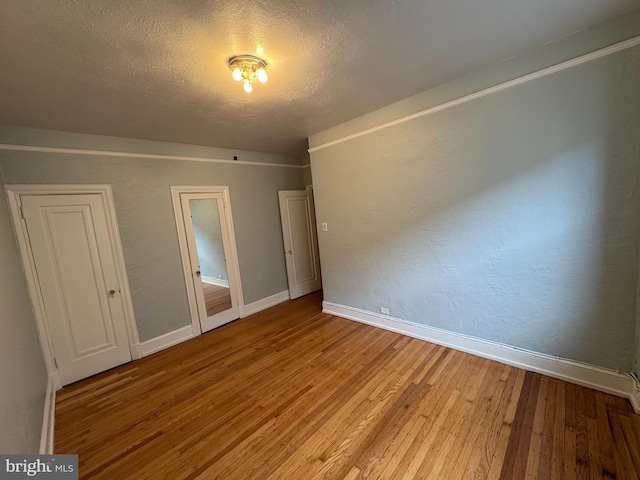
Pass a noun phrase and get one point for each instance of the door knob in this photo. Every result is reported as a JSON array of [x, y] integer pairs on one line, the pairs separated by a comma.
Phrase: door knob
[[290, 252], [198, 273], [111, 293]]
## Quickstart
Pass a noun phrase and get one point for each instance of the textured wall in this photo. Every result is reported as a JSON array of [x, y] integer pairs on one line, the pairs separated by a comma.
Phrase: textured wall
[[208, 235], [22, 371], [145, 214], [512, 218]]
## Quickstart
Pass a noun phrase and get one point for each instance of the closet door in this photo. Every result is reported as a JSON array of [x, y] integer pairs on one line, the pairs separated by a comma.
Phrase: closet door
[[78, 281], [298, 219]]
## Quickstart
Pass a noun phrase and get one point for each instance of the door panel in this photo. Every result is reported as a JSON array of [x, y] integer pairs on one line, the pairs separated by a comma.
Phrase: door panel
[[304, 267], [299, 234], [76, 271], [80, 281]]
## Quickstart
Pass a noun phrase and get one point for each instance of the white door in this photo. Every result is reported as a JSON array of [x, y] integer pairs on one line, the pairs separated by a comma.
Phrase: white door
[[300, 243], [77, 276], [209, 245]]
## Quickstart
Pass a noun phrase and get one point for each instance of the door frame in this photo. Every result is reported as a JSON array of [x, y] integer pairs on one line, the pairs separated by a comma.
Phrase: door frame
[[14, 192], [232, 260]]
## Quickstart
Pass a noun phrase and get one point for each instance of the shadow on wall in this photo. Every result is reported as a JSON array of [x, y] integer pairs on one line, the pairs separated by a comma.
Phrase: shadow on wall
[[511, 218]]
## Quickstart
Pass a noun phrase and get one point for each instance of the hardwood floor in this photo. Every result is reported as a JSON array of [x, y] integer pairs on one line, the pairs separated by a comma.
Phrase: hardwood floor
[[216, 298], [292, 393]]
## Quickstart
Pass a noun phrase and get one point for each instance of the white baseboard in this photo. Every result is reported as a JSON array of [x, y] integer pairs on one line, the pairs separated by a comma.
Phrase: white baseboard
[[215, 281], [48, 418], [255, 307], [598, 378], [167, 340]]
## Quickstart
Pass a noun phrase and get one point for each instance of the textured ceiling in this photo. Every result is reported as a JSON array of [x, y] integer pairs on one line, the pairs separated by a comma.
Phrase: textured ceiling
[[157, 69]]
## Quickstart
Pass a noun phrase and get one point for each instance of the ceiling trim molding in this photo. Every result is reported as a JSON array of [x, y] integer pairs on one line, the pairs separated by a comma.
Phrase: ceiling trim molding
[[109, 153], [632, 42]]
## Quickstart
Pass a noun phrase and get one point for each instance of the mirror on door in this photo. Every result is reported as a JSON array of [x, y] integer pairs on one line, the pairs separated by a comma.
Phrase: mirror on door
[[211, 257]]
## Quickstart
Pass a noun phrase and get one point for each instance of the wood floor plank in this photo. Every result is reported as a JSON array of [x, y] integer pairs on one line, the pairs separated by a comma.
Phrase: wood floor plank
[[545, 462], [424, 463], [333, 426], [583, 468], [518, 430], [457, 433], [570, 467], [339, 460], [339, 417], [493, 461], [558, 447], [293, 393], [432, 407], [624, 457], [482, 445], [537, 426], [392, 431], [436, 410], [485, 396], [475, 394]]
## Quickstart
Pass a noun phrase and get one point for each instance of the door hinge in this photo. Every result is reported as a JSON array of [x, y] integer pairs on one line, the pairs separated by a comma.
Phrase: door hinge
[[55, 362], [22, 213]]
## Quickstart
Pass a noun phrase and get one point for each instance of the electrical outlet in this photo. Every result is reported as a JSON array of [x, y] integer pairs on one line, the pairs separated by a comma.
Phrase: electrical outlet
[[384, 310]]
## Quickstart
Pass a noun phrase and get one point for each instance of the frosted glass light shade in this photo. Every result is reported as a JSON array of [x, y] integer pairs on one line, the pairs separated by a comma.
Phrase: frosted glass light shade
[[262, 75]]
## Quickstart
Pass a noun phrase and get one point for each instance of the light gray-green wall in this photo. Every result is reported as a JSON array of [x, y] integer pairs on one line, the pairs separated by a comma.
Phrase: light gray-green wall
[[513, 218], [145, 214], [22, 371]]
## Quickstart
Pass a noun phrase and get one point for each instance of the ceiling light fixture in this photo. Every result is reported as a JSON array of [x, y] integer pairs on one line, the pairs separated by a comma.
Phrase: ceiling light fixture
[[247, 68]]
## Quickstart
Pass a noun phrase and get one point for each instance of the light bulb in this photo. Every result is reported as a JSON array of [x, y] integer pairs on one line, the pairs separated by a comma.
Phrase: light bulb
[[247, 86], [236, 74], [262, 75]]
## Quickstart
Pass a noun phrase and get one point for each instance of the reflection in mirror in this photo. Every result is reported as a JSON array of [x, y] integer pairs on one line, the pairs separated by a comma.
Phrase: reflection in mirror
[[211, 257]]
